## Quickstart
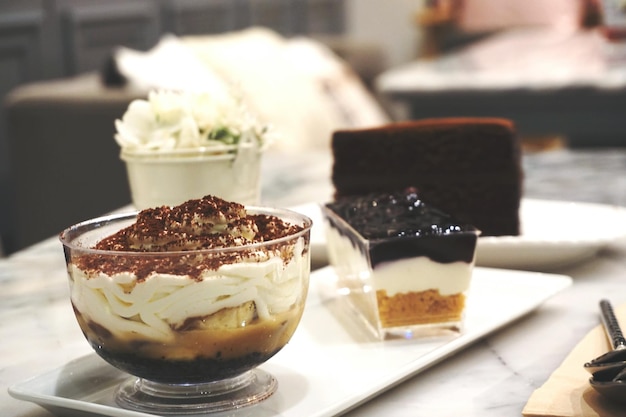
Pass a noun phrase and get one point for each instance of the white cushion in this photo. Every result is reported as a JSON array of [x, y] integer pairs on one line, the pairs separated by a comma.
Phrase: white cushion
[[168, 65], [298, 86]]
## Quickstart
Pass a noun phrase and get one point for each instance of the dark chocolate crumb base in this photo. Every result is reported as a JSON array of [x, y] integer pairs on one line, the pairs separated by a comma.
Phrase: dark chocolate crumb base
[[193, 371]]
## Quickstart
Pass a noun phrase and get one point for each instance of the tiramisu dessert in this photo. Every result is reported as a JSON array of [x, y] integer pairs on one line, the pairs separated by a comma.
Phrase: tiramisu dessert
[[405, 265], [189, 294], [468, 167]]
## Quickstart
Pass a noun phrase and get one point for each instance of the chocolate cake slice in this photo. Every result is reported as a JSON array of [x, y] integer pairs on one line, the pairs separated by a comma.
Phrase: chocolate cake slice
[[468, 167]]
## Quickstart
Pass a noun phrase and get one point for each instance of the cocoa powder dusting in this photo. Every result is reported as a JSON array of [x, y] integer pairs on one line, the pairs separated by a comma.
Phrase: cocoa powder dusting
[[206, 223]]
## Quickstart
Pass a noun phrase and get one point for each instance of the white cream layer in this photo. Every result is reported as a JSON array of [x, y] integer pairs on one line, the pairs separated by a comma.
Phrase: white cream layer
[[421, 274], [155, 307], [401, 276]]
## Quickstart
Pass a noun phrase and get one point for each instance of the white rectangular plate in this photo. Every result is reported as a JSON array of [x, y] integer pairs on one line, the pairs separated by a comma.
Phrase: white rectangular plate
[[331, 365]]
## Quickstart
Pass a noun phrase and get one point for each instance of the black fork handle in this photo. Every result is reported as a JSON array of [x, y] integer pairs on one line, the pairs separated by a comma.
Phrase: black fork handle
[[612, 325]]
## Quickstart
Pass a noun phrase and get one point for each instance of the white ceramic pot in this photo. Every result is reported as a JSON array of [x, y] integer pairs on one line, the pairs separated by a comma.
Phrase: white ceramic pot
[[173, 177]]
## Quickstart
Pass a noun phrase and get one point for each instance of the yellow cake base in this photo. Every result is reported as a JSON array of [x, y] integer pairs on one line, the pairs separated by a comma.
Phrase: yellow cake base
[[416, 308]]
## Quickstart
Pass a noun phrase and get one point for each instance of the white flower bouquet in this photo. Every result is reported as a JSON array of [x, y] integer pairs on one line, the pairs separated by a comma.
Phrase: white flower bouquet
[[170, 120]]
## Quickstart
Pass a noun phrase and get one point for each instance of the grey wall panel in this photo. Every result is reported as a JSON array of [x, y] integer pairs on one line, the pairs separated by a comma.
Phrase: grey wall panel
[[91, 31]]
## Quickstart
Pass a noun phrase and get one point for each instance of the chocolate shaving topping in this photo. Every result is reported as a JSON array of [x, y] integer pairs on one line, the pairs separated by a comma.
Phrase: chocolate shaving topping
[[206, 223]]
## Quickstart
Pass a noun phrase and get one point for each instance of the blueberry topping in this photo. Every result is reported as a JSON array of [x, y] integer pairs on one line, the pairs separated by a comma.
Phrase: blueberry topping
[[400, 214]]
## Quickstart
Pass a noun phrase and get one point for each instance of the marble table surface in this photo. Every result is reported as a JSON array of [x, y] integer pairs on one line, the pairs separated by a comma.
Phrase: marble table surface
[[492, 377]]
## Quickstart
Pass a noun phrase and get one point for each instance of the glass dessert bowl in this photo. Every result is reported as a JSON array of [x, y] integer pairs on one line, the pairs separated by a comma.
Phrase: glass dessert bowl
[[190, 300]]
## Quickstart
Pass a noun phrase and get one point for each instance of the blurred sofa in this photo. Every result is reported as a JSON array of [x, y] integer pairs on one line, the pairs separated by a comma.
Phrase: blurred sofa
[[66, 165]]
